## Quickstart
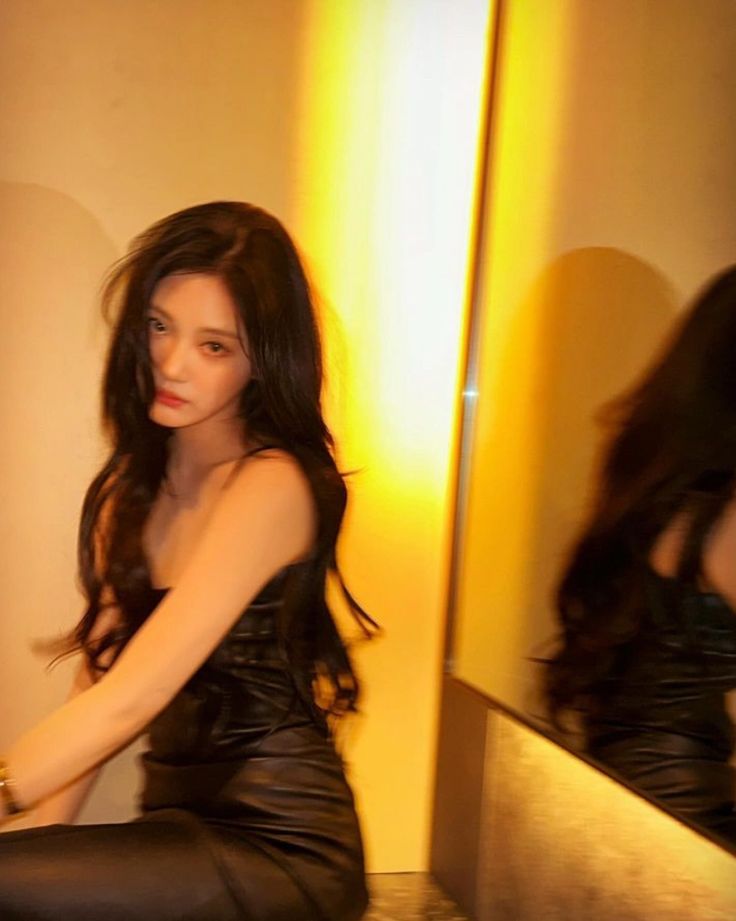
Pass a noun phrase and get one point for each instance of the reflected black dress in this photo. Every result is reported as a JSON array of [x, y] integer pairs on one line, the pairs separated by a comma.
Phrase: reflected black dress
[[665, 727], [246, 814]]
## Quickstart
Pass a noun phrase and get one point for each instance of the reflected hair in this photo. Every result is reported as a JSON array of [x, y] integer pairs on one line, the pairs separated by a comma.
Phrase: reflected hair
[[280, 406], [672, 449]]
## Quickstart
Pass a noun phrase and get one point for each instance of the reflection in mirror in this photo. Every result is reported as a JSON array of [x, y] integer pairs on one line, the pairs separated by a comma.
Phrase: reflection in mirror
[[647, 587], [593, 235], [647, 601], [543, 371]]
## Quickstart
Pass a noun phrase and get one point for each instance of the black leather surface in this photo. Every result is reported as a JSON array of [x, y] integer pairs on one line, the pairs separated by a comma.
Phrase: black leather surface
[[665, 726], [238, 749]]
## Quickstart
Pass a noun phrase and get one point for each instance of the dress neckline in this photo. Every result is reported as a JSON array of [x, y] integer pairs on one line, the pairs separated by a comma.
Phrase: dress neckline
[[711, 598], [277, 575]]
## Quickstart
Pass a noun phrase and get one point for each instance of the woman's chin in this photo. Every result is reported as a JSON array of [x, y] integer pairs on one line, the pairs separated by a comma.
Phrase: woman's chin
[[162, 415]]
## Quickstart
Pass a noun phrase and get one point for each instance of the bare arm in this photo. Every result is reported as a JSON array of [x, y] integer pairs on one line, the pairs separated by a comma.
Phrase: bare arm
[[66, 803], [261, 523]]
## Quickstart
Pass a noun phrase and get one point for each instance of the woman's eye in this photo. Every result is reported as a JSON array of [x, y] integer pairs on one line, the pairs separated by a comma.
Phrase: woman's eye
[[216, 348], [153, 323]]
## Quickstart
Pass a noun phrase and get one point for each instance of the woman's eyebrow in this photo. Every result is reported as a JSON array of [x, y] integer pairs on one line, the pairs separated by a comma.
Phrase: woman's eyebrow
[[218, 332], [203, 329]]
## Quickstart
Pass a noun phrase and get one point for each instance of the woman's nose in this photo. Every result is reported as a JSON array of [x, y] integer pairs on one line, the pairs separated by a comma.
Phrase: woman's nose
[[172, 360]]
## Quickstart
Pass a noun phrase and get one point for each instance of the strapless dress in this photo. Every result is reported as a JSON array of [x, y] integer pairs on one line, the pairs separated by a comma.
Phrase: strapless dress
[[237, 751], [665, 728]]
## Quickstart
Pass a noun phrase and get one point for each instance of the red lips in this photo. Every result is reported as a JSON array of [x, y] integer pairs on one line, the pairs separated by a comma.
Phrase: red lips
[[169, 398]]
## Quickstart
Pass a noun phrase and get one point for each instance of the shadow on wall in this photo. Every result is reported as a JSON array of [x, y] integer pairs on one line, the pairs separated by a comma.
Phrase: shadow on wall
[[587, 328], [602, 313], [53, 255]]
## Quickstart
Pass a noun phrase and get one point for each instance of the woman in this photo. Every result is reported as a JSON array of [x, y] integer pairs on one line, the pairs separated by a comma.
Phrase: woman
[[204, 546], [647, 603]]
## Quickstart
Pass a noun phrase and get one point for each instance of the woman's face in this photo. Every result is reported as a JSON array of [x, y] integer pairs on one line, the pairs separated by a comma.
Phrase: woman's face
[[198, 350]]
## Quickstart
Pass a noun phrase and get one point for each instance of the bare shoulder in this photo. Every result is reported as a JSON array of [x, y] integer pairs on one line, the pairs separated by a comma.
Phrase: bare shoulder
[[274, 476], [270, 494], [668, 546], [719, 554], [273, 459]]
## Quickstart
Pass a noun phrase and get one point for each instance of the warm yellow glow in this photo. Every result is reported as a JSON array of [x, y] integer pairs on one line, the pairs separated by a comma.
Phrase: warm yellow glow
[[492, 632], [392, 98]]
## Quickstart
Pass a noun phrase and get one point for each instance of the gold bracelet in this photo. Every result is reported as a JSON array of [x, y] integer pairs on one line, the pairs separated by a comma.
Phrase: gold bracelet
[[6, 785]]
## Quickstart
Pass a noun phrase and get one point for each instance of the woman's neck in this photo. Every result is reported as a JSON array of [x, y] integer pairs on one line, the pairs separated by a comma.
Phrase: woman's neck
[[195, 450]]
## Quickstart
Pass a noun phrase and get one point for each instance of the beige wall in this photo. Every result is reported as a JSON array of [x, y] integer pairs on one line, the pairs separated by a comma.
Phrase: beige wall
[[113, 114], [327, 114], [611, 200]]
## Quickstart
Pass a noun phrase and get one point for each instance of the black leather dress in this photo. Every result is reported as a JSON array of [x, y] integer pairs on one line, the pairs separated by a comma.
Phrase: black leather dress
[[245, 810], [665, 728]]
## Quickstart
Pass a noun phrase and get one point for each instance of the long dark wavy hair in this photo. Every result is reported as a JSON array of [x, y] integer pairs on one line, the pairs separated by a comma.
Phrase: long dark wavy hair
[[280, 406], [673, 450]]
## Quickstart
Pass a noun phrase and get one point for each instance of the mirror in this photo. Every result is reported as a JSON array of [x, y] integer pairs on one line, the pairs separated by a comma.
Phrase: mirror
[[610, 191]]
